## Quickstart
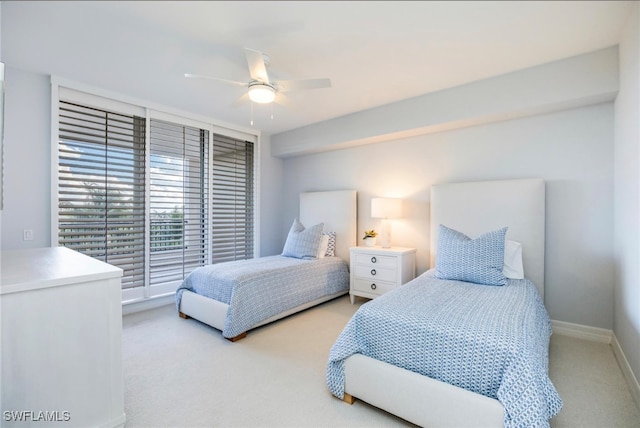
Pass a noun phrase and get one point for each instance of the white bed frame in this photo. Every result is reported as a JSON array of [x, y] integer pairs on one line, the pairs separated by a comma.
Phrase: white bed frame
[[336, 209], [471, 208]]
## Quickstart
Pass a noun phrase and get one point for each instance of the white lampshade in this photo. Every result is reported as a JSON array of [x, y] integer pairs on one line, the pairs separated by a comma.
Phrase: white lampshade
[[262, 93], [386, 208]]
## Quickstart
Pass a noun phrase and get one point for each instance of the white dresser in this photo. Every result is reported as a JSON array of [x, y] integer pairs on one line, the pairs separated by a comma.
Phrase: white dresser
[[376, 270], [61, 340]]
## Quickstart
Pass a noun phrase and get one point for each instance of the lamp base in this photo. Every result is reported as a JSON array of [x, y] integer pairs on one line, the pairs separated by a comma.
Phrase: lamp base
[[385, 236]]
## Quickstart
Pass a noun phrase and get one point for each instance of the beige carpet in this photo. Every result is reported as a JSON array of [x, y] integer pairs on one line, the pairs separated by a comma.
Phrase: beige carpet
[[181, 373]]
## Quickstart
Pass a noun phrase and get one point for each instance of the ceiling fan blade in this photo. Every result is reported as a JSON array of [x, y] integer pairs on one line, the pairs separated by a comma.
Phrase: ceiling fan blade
[[257, 67], [298, 85], [230, 82]]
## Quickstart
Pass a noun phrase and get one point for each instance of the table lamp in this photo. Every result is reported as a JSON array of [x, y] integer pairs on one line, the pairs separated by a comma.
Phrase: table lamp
[[386, 209]]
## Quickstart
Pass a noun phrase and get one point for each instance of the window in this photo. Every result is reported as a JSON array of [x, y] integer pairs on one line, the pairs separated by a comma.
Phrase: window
[[179, 175], [153, 194], [233, 201], [101, 202]]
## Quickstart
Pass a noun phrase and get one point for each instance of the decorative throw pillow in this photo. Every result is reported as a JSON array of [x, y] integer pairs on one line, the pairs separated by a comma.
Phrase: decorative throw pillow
[[303, 243], [477, 260], [331, 247]]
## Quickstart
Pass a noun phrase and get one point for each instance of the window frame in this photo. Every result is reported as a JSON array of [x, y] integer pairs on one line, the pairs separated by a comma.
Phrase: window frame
[[103, 99]]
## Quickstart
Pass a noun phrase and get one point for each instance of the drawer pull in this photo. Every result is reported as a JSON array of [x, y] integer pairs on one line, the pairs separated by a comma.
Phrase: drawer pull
[[373, 271], [373, 286], [373, 260]]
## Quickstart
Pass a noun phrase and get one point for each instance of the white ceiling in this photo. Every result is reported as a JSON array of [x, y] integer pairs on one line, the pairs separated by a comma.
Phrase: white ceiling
[[374, 52]]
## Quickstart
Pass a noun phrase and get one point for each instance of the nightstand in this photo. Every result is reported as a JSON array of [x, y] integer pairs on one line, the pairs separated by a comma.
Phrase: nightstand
[[376, 270]]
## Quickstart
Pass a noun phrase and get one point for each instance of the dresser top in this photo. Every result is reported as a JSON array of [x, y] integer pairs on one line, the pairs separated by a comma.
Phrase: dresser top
[[24, 270]]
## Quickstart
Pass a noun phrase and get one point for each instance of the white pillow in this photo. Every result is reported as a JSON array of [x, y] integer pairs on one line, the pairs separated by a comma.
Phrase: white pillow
[[324, 244], [513, 260]]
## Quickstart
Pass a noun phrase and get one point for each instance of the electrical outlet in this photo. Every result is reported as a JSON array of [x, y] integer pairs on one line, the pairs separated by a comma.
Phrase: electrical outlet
[[27, 235]]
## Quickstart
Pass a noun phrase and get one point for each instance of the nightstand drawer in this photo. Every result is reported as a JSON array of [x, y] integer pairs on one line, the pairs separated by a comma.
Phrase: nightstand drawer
[[375, 287], [374, 272], [375, 260]]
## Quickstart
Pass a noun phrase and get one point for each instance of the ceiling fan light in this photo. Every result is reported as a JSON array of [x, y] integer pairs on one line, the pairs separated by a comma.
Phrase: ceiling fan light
[[262, 93]]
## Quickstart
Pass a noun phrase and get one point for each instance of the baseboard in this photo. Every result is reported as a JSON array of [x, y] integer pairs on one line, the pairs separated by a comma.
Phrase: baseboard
[[579, 331], [146, 304], [632, 381]]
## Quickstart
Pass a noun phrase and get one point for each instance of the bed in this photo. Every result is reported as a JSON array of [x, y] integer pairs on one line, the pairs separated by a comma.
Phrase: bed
[[434, 358], [238, 296]]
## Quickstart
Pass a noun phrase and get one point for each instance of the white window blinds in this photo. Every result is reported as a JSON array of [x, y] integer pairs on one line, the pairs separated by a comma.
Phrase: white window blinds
[[233, 199], [179, 173], [101, 187], [156, 196]]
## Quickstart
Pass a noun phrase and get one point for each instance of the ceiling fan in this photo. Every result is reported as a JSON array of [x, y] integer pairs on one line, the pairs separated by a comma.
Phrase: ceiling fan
[[260, 88]]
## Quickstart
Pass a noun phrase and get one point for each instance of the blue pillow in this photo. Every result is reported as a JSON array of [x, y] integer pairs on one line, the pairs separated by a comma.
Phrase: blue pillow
[[477, 260], [303, 243]]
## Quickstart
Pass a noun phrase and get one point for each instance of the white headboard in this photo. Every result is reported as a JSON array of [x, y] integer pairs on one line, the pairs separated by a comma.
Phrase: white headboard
[[338, 211], [477, 207]]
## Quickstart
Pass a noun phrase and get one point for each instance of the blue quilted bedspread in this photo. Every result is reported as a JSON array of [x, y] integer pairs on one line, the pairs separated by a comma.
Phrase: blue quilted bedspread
[[490, 340], [257, 289]]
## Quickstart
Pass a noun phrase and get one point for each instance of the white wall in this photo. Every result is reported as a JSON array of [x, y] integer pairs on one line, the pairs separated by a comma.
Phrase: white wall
[[572, 150], [627, 196], [27, 160], [271, 236]]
